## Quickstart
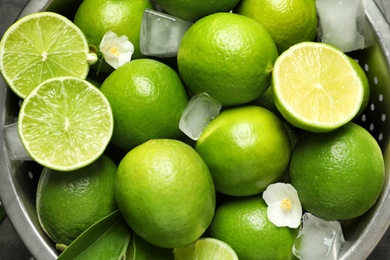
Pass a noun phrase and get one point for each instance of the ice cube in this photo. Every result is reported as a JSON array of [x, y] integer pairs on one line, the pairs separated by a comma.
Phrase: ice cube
[[201, 109], [318, 239], [161, 34], [15, 148], [384, 5], [342, 23]]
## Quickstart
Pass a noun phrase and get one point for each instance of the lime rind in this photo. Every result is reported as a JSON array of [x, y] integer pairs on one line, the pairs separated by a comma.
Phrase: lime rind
[[65, 123], [314, 69], [40, 46], [206, 248], [359, 70]]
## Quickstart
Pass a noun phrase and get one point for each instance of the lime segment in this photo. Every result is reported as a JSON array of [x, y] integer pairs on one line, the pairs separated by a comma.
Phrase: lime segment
[[317, 87], [206, 248], [42, 46], [65, 123]]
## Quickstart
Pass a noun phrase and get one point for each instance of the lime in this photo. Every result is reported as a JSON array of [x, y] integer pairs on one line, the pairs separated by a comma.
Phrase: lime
[[123, 17], [246, 148], [147, 98], [70, 202], [293, 132], [193, 10], [288, 21], [266, 100], [339, 174], [243, 224], [165, 193], [139, 249], [41, 46], [65, 123], [317, 87], [228, 56], [206, 248]]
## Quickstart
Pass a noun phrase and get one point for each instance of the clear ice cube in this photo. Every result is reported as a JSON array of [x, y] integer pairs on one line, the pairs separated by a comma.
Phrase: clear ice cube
[[201, 109], [318, 239], [15, 148], [384, 5], [342, 23], [161, 34]]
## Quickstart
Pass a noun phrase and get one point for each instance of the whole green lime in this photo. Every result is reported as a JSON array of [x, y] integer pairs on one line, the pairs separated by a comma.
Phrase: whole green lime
[[228, 56], [266, 100], [288, 21], [139, 249], [123, 17], [147, 99], [243, 224], [246, 148], [165, 193], [194, 10], [339, 174], [206, 248], [70, 202]]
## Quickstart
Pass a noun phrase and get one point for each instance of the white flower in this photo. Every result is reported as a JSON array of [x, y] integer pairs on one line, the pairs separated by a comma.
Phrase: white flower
[[284, 207], [116, 50]]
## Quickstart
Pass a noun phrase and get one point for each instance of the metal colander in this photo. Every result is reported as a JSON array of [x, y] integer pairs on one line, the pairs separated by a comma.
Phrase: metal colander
[[18, 180]]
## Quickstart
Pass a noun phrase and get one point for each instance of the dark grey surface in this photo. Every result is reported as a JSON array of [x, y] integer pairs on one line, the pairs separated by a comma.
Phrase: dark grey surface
[[11, 247]]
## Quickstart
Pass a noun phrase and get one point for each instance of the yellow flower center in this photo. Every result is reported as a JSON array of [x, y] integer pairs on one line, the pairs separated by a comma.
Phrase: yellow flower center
[[114, 50], [286, 204]]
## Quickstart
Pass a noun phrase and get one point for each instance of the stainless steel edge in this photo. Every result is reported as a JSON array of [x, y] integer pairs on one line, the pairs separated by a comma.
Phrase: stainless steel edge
[[42, 248], [11, 201], [17, 213], [35, 6], [362, 247]]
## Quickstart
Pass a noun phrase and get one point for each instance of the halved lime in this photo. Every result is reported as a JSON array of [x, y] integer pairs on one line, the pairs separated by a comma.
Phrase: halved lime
[[65, 123], [317, 87], [206, 249], [40, 46]]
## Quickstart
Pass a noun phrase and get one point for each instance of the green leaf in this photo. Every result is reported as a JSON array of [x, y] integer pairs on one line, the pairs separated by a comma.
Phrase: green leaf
[[107, 239]]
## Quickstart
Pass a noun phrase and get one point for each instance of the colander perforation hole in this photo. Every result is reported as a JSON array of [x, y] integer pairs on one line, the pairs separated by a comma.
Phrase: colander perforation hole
[[376, 80], [374, 118]]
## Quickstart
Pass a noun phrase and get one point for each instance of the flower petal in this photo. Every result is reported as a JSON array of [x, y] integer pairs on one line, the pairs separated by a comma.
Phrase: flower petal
[[111, 59], [116, 50], [284, 207], [280, 218], [277, 216], [295, 218], [276, 192], [107, 37]]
